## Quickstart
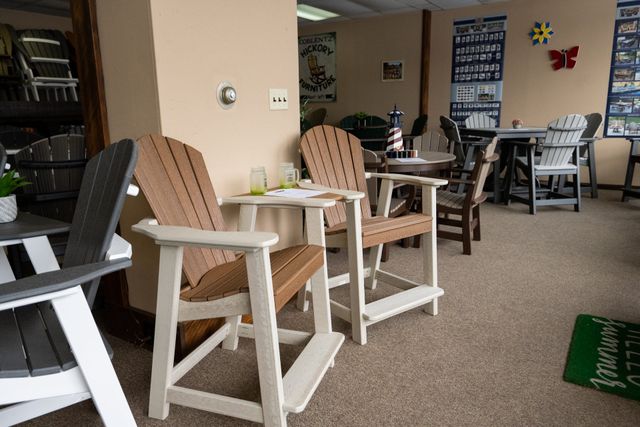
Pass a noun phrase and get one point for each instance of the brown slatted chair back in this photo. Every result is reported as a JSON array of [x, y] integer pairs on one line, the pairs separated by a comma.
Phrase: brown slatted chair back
[[334, 159], [481, 169], [175, 181]]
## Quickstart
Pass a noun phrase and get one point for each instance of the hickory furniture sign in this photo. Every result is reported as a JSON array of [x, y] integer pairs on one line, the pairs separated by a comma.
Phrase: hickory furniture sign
[[190, 230], [335, 163]]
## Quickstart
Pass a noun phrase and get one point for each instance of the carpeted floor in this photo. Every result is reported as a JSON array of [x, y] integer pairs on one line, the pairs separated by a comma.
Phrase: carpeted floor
[[493, 356]]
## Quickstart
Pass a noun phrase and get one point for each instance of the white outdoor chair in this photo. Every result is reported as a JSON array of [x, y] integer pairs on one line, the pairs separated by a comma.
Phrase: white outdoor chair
[[51, 352], [175, 181], [335, 163], [479, 120]]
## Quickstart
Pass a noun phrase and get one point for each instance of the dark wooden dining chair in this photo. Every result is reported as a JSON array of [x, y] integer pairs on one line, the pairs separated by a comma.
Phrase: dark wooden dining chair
[[194, 241], [466, 205], [335, 162], [419, 126]]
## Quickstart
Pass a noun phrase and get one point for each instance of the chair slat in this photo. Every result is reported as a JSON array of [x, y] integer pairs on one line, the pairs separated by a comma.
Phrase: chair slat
[[40, 354], [57, 337], [12, 361]]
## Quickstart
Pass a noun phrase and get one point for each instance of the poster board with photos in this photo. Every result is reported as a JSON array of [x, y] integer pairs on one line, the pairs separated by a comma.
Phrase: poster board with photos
[[478, 67], [623, 100], [317, 66]]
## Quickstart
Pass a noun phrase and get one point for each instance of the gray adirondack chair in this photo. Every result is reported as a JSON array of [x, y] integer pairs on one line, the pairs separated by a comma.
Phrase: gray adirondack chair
[[432, 141], [559, 157], [588, 154], [51, 352], [479, 120]]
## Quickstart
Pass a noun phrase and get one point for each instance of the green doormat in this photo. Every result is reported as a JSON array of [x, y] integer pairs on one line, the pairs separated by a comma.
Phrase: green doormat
[[605, 354]]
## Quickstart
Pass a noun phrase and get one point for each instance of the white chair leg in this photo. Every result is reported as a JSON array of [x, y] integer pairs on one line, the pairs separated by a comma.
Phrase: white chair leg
[[375, 255], [89, 351], [303, 302], [231, 341], [319, 281], [169, 276], [263, 311], [384, 203], [356, 271], [430, 246]]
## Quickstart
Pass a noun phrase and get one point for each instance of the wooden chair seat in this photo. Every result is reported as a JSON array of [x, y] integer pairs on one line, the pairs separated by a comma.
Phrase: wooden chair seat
[[379, 230], [450, 200], [33, 343], [290, 269]]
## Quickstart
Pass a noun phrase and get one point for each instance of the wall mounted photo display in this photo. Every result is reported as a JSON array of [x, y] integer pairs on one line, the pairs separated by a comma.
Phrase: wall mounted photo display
[[317, 65], [392, 70], [476, 86], [622, 115]]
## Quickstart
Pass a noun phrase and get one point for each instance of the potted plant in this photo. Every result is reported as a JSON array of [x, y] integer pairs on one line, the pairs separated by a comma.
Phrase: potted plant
[[361, 116], [9, 183]]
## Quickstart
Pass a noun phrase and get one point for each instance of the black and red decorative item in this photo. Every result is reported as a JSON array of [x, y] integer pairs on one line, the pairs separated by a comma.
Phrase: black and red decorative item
[[394, 135], [565, 58]]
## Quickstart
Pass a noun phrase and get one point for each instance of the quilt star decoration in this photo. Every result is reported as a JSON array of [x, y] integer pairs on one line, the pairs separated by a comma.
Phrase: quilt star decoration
[[541, 33]]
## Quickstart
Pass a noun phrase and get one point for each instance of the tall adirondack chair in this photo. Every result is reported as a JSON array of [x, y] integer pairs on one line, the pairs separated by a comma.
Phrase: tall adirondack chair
[[10, 78], [419, 125], [588, 154], [559, 157], [479, 120], [193, 240], [432, 141], [463, 150], [334, 160], [466, 205], [44, 57], [55, 167], [51, 352]]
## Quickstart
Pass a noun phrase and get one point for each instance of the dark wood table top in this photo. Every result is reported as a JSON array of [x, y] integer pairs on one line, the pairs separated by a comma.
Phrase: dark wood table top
[[27, 225], [505, 133]]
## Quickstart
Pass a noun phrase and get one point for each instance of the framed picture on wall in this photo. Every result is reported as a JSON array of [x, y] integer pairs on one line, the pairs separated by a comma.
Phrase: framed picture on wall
[[392, 71]]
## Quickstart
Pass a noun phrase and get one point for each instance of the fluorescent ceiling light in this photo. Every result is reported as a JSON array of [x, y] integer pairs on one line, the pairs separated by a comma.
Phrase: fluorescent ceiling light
[[313, 13]]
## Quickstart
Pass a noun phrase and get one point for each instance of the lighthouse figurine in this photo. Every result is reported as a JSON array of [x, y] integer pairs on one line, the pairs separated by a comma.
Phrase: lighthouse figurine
[[394, 135]]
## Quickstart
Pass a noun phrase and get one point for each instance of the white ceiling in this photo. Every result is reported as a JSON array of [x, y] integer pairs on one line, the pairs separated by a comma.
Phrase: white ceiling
[[356, 9]]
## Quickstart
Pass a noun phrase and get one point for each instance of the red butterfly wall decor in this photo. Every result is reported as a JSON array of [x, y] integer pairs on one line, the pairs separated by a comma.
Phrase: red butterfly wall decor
[[565, 58]]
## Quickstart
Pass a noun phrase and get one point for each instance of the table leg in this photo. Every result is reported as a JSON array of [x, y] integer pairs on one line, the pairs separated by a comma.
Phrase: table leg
[[40, 253], [497, 167], [509, 175]]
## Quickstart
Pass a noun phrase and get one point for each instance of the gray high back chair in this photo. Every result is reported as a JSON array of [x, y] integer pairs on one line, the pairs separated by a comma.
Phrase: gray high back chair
[[51, 352]]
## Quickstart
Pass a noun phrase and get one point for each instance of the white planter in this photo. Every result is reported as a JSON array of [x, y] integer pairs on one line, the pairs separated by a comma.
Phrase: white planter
[[8, 208]]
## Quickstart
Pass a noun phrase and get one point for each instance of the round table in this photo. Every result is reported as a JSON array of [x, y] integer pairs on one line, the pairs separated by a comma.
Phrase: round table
[[427, 161]]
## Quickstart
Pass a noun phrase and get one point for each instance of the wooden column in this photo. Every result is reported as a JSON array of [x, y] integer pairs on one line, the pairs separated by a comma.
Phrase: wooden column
[[426, 60], [89, 60]]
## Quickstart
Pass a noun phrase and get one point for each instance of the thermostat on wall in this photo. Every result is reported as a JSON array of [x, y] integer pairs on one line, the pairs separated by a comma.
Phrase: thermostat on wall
[[226, 95]]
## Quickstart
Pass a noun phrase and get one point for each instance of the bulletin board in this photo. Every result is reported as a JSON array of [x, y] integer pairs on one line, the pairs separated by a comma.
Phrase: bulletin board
[[623, 100], [478, 67]]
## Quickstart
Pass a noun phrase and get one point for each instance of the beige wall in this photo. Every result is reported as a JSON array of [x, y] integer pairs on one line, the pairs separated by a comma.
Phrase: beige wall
[[162, 76], [23, 20], [360, 48], [534, 92]]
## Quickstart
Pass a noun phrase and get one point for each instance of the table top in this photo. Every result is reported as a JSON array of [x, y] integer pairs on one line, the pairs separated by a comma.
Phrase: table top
[[27, 225], [505, 133], [424, 158]]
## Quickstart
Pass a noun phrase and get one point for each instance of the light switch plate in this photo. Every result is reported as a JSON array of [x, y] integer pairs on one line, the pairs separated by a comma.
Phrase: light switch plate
[[278, 99]]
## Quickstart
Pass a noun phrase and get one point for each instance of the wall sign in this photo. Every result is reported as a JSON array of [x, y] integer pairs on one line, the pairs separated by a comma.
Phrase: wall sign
[[541, 33], [623, 101], [565, 58], [478, 67], [317, 65]]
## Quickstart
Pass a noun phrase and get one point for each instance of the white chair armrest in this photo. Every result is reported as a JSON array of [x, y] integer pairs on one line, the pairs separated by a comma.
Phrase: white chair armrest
[[346, 194], [271, 201], [411, 179], [119, 249], [166, 235]]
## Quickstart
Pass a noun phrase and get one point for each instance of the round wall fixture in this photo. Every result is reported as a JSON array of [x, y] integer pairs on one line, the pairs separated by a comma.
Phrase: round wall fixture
[[226, 95]]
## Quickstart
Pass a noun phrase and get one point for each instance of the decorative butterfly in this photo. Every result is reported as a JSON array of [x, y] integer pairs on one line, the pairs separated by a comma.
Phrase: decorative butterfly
[[564, 58]]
